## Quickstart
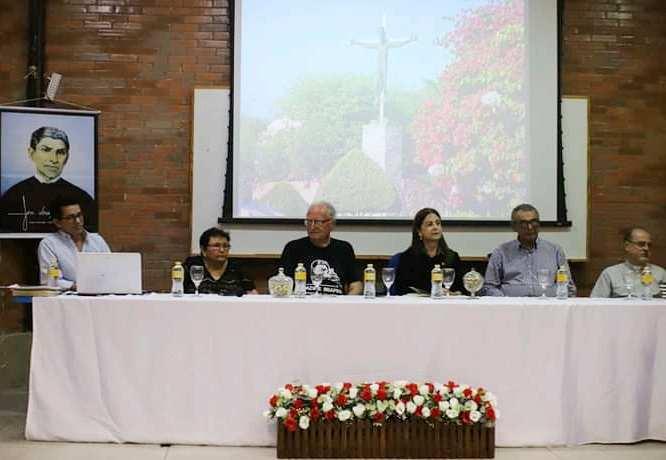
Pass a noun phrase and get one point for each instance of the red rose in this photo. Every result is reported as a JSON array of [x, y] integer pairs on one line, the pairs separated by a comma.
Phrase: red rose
[[290, 424], [452, 384], [273, 401], [289, 387], [314, 414], [465, 418], [490, 413], [378, 417], [381, 394], [412, 388], [435, 412], [330, 415], [341, 400], [467, 392], [365, 394], [437, 397], [419, 411], [321, 389], [293, 412], [346, 386], [314, 404], [477, 398], [298, 403]]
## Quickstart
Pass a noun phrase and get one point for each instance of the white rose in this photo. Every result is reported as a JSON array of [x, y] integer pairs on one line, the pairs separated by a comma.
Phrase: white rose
[[286, 394], [327, 406], [344, 415], [382, 406], [373, 388], [325, 399], [453, 402], [304, 422], [312, 393], [471, 405], [400, 408], [425, 412], [451, 413], [281, 412], [445, 390], [458, 390], [424, 389], [353, 392], [411, 407], [418, 400], [444, 405], [338, 387], [397, 393], [358, 410], [474, 416]]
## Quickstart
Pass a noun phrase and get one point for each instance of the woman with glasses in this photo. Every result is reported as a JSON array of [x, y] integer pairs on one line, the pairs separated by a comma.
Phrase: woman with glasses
[[220, 274], [427, 249]]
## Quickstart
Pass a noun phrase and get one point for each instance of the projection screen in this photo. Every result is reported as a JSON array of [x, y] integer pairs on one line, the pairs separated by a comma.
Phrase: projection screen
[[386, 107]]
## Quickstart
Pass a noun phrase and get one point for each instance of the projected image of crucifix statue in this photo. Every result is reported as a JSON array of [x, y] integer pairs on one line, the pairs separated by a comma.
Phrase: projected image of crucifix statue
[[382, 46], [381, 142]]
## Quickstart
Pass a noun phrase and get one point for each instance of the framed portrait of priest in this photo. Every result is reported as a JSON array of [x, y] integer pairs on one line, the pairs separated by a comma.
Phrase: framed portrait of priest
[[46, 153]]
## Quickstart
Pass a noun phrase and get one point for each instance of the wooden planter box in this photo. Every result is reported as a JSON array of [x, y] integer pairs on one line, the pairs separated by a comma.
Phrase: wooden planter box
[[393, 439]]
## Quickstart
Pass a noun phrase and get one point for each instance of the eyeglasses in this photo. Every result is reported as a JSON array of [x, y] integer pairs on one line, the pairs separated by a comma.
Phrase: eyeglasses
[[641, 244], [73, 217], [219, 247], [527, 223], [313, 222]]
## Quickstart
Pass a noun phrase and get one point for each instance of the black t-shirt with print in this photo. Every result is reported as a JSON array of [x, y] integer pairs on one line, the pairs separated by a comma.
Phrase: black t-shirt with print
[[338, 256]]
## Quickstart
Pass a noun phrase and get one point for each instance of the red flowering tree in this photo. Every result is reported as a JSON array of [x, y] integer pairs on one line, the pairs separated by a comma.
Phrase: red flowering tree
[[471, 136]]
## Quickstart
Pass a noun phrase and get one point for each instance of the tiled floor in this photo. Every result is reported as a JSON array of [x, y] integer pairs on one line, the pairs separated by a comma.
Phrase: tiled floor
[[13, 447]]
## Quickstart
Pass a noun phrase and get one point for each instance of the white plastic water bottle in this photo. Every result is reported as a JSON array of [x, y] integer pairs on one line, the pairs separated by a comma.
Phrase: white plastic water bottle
[[562, 280], [300, 280], [437, 278], [369, 282], [53, 274], [177, 277]]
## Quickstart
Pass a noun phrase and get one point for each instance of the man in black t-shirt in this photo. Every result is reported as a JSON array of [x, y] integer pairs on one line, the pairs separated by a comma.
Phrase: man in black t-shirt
[[320, 254]]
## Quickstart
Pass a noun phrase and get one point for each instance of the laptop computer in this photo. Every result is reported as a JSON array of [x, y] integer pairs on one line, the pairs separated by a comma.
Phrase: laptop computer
[[108, 273]]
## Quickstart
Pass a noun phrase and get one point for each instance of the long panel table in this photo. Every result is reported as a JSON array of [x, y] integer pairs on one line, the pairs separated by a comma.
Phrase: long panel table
[[158, 369]]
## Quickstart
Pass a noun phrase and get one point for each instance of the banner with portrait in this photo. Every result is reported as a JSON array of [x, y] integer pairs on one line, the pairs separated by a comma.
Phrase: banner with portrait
[[46, 153]]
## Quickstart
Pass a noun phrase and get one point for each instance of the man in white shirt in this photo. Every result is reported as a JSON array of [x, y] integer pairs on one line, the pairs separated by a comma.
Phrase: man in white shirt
[[62, 246], [637, 247]]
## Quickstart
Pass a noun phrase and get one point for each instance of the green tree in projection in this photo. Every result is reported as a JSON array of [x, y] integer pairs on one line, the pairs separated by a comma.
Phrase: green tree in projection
[[357, 185], [285, 200], [471, 137], [320, 119]]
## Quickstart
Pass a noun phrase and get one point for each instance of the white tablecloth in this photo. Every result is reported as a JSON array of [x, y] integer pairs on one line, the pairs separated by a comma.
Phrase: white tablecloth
[[156, 369]]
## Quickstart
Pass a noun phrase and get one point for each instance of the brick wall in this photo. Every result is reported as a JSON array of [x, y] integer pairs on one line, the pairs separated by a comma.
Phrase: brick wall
[[138, 61], [614, 54]]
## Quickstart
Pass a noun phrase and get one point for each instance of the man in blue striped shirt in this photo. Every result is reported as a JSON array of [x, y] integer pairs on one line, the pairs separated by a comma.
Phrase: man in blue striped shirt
[[514, 266]]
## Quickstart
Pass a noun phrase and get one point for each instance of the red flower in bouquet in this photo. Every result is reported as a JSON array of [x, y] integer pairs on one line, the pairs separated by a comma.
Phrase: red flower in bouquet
[[412, 388], [464, 416], [298, 403], [467, 392], [490, 413], [381, 394], [315, 414], [290, 423], [365, 394], [378, 417], [437, 397], [346, 386], [273, 401], [435, 412], [289, 387], [322, 389], [330, 415], [341, 400]]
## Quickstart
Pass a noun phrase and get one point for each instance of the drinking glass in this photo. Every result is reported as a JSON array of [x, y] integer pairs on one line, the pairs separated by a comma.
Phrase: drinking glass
[[197, 275], [317, 277], [629, 279], [449, 276], [544, 277], [388, 277]]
